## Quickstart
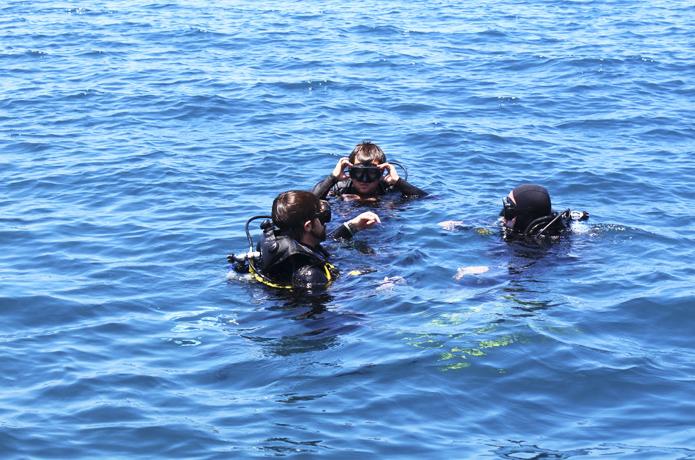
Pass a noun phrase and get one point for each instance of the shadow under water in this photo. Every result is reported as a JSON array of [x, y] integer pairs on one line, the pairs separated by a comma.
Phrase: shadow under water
[[298, 322], [495, 315]]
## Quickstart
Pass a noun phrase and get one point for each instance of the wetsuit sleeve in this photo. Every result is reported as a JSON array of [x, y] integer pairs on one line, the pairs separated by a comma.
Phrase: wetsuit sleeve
[[322, 188], [408, 189], [342, 232], [309, 277]]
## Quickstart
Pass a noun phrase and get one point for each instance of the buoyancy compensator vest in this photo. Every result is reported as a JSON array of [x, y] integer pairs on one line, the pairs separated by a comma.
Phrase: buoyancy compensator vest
[[280, 261]]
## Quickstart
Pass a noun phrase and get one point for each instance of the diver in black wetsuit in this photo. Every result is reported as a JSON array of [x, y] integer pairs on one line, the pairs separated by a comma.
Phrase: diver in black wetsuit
[[527, 213], [290, 254], [365, 179]]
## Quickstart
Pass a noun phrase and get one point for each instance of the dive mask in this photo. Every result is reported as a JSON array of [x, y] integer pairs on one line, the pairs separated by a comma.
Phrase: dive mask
[[324, 213], [508, 209], [365, 173]]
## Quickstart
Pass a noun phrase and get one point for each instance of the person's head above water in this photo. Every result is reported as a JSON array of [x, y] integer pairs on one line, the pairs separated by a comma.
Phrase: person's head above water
[[524, 204], [289, 253], [302, 215], [365, 175], [367, 153], [365, 172]]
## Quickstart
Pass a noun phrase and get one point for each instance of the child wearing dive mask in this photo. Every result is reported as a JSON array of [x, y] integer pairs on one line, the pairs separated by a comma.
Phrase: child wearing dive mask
[[368, 176]]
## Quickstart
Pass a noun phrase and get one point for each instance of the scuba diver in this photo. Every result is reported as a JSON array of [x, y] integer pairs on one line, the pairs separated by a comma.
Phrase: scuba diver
[[289, 254], [527, 214], [368, 176]]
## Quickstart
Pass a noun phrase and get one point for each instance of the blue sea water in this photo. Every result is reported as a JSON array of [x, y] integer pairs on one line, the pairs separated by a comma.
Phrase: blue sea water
[[136, 138]]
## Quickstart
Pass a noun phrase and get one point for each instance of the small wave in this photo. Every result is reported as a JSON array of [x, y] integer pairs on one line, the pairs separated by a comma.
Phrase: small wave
[[683, 134], [36, 53], [29, 146], [520, 450], [492, 33], [375, 30], [161, 6], [79, 11], [200, 32], [601, 123], [412, 108]]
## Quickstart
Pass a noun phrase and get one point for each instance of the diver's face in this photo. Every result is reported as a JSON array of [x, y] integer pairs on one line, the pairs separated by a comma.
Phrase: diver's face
[[318, 229], [366, 188]]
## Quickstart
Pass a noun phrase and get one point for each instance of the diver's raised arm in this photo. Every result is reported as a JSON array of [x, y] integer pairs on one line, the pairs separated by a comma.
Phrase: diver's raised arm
[[323, 187], [348, 229]]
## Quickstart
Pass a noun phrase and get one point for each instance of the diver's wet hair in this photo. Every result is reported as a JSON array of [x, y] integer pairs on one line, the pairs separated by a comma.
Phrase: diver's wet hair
[[367, 152], [291, 209]]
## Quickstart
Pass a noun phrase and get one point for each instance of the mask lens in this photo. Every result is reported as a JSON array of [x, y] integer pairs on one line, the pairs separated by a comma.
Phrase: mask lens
[[324, 214], [508, 209], [365, 173]]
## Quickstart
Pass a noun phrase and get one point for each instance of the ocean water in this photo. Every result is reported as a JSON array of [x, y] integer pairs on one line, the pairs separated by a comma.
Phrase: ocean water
[[136, 138]]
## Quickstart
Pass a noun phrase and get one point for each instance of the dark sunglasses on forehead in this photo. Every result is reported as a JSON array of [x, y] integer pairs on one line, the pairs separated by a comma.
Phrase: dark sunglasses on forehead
[[324, 213], [508, 209], [365, 173]]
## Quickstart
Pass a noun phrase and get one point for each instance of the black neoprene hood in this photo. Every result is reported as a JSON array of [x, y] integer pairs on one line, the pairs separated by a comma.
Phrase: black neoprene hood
[[532, 201]]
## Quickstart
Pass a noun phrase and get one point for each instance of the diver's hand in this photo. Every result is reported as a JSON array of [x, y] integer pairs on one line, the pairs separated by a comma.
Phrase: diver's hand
[[339, 170], [365, 220], [392, 177]]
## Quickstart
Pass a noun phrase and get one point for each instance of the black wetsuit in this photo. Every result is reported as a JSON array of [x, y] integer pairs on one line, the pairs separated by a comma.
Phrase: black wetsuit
[[285, 262], [331, 185]]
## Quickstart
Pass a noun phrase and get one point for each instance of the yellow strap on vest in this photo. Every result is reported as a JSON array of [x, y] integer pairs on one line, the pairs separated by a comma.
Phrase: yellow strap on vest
[[327, 268], [262, 279]]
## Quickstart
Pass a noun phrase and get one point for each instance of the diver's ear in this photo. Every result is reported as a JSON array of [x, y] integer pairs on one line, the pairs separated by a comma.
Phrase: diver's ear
[[308, 225]]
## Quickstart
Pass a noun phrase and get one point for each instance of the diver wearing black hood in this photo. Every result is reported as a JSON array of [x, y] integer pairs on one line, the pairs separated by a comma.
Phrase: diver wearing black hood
[[527, 212], [290, 254]]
